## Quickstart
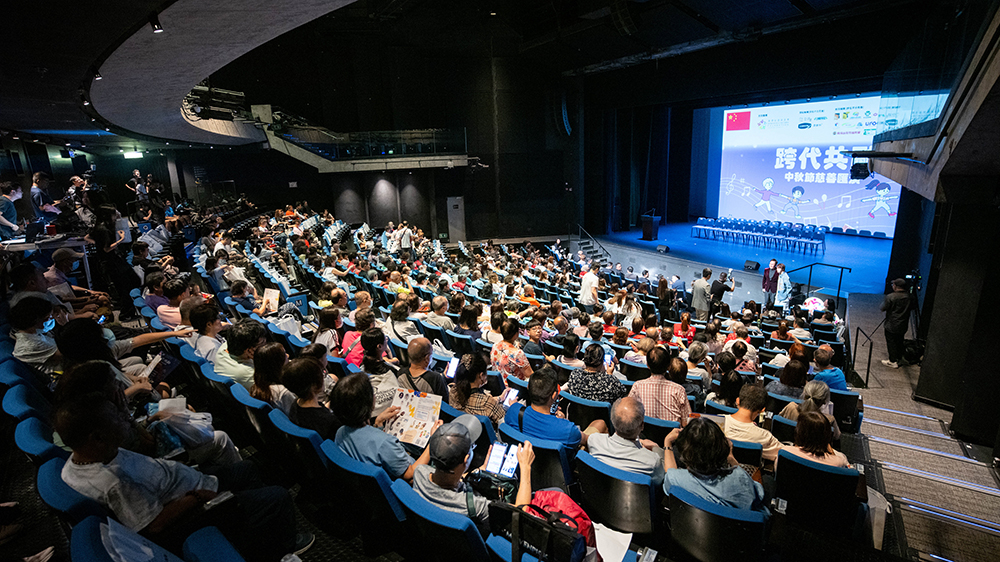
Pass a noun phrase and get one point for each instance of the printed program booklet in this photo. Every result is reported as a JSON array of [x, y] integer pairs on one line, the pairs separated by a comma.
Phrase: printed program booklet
[[418, 412]]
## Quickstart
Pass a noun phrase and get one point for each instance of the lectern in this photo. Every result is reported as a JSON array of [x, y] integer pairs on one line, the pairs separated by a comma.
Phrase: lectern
[[650, 227]]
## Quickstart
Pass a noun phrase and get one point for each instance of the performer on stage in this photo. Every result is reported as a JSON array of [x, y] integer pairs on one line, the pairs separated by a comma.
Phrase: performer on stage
[[770, 283], [784, 290]]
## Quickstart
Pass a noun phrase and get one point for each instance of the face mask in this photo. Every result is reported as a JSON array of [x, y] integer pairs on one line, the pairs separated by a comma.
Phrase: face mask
[[49, 325]]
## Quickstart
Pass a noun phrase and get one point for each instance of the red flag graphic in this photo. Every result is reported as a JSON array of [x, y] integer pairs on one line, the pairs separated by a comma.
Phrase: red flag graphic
[[738, 121]]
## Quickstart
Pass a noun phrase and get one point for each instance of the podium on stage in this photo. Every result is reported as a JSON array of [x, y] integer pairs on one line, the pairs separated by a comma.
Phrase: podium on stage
[[650, 227]]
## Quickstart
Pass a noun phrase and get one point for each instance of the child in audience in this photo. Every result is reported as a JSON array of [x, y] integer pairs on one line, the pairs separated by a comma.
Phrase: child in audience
[[741, 427], [268, 362], [246, 296], [304, 376]]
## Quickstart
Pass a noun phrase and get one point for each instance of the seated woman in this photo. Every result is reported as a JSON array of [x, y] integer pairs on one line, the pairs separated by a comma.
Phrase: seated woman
[[353, 399], [815, 398], [83, 340], [712, 337], [327, 333], [685, 330], [268, 361], [698, 354], [325, 297], [571, 349], [596, 380], [468, 322], [205, 319], [467, 393], [729, 389], [639, 350], [305, 377], [711, 473], [620, 336], [792, 379], [353, 352], [493, 335], [812, 441], [245, 295], [99, 377], [782, 332], [398, 326]]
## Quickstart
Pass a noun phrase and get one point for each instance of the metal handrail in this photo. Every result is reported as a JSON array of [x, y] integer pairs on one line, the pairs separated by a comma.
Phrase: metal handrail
[[591, 238], [857, 343], [840, 280]]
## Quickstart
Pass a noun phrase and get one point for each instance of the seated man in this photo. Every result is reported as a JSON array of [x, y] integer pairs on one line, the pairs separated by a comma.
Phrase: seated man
[[624, 449], [661, 398], [175, 290], [740, 426], [801, 331], [165, 500], [541, 421], [416, 376], [154, 291], [437, 316], [353, 400], [29, 281], [34, 344], [825, 372], [66, 260], [234, 359], [441, 483]]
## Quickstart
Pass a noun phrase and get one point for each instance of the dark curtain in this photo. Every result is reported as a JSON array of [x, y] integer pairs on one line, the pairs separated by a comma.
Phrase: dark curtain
[[636, 158]]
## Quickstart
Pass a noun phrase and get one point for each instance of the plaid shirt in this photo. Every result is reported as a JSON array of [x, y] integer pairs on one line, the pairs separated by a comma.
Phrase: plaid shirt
[[479, 404], [662, 399]]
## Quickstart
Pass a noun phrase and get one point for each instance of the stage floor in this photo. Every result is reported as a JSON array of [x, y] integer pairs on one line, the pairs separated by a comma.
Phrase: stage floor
[[868, 258]]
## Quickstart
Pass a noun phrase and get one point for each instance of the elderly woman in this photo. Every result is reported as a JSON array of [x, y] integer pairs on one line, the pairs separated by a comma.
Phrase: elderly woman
[[398, 326], [697, 353], [711, 473], [640, 349], [815, 398], [596, 380]]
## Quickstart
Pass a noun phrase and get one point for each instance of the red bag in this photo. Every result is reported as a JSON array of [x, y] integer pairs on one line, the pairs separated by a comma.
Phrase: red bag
[[555, 501]]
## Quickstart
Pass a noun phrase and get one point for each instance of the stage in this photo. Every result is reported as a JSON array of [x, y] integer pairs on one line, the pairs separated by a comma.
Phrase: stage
[[868, 259]]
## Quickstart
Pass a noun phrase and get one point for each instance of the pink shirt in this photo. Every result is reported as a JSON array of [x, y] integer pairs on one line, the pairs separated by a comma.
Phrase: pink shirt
[[169, 315]]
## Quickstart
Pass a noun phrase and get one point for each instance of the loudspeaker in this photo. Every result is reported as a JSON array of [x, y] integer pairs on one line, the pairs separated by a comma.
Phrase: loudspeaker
[[662, 249], [751, 266]]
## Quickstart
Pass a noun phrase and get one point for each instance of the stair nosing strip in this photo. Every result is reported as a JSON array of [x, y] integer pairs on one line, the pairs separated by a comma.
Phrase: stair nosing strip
[[939, 478], [910, 429], [952, 456], [900, 412]]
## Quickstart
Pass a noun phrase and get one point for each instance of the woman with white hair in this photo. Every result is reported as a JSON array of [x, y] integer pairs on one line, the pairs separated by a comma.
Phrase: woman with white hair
[[697, 353], [815, 398]]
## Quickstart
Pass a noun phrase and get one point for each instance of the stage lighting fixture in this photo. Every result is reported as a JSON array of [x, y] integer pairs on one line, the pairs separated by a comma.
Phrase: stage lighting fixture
[[15, 137], [85, 100], [97, 75], [154, 22]]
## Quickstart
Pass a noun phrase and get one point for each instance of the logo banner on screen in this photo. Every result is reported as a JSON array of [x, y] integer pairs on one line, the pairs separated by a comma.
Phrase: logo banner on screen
[[785, 163]]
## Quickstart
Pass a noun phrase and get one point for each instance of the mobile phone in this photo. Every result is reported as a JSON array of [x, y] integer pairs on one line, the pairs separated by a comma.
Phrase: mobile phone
[[512, 396], [609, 357], [219, 499], [452, 366], [495, 461]]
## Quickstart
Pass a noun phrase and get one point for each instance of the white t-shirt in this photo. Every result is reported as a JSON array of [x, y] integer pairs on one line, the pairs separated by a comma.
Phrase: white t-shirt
[[588, 283], [741, 431], [135, 487], [206, 347]]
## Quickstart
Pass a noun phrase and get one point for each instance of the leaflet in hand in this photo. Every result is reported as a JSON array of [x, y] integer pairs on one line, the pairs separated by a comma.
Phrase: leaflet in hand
[[418, 411], [271, 298]]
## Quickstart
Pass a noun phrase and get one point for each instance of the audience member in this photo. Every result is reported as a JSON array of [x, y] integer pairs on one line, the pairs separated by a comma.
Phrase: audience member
[[812, 441], [206, 321], [268, 361], [711, 472], [305, 377], [467, 393], [234, 359], [662, 399], [540, 419], [826, 373], [791, 379], [175, 290], [729, 390], [438, 315], [815, 398], [596, 381], [741, 427], [416, 376], [506, 357], [624, 450]]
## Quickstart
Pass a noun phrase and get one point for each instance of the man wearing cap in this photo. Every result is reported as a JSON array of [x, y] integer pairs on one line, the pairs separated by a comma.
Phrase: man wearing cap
[[43, 205], [451, 449], [66, 260], [897, 314]]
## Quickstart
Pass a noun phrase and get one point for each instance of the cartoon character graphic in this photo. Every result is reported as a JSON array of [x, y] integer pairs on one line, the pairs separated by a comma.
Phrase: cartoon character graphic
[[882, 189], [765, 194], [793, 201]]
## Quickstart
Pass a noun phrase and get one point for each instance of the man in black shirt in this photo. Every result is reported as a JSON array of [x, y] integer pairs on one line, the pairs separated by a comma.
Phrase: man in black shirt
[[897, 314]]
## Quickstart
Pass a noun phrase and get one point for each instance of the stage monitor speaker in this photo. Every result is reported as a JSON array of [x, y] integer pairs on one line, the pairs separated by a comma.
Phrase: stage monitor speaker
[[751, 266], [662, 249]]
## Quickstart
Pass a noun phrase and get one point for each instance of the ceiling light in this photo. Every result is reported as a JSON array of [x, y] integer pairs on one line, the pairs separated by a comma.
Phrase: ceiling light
[[132, 155], [107, 129], [34, 140], [67, 144], [97, 75], [168, 143], [154, 22], [15, 137]]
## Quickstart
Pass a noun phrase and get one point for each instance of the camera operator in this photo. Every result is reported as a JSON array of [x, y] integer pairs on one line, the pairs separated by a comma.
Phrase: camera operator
[[897, 314], [77, 186]]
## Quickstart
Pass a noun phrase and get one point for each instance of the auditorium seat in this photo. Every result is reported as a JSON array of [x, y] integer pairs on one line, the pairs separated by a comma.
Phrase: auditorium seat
[[34, 438], [583, 412], [444, 536], [845, 410], [71, 505], [777, 402], [209, 545], [87, 544], [622, 500], [783, 429], [710, 532], [819, 497], [22, 401], [712, 407], [551, 468]]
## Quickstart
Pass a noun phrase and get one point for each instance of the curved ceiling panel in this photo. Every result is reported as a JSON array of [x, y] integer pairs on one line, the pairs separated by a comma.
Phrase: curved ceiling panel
[[146, 77]]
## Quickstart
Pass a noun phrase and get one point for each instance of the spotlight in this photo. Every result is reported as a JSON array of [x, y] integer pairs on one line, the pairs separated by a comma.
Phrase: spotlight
[[97, 75], [67, 144], [34, 140], [809, 99], [168, 143], [15, 137], [85, 100], [107, 129], [154, 22], [121, 150]]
